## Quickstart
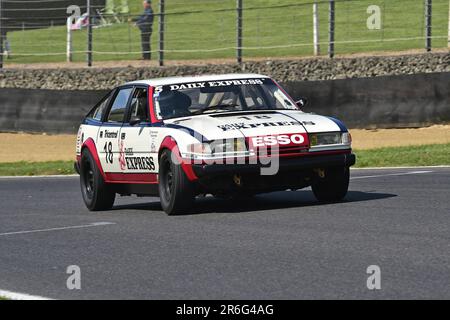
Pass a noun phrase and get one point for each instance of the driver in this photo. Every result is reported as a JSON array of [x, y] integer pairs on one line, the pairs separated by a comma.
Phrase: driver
[[174, 104]]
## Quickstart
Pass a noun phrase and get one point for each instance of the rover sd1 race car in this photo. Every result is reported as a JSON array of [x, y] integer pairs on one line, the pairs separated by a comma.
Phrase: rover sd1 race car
[[227, 135]]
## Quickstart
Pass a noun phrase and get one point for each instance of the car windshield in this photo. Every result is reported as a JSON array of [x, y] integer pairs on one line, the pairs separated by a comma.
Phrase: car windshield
[[188, 99]]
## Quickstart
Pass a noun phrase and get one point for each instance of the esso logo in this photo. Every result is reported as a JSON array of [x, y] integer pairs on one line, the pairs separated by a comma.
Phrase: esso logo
[[280, 140]]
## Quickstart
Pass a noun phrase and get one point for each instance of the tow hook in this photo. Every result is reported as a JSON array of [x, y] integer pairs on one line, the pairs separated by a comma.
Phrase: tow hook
[[320, 172], [237, 179]]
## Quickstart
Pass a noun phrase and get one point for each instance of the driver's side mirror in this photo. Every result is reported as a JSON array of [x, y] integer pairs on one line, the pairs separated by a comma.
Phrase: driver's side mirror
[[134, 121], [302, 102]]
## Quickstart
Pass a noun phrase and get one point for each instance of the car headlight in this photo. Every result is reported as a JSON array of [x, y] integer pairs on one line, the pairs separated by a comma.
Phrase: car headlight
[[217, 148], [322, 139], [228, 145], [199, 149], [346, 138]]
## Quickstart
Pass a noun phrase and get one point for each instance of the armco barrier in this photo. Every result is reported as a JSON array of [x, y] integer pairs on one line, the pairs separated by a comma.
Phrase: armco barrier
[[379, 102]]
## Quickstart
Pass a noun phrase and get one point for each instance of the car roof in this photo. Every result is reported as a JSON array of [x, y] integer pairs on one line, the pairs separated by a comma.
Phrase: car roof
[[178, 80]]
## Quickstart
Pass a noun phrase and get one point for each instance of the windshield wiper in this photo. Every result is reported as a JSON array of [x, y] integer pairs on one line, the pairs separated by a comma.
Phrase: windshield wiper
[[216, 107]]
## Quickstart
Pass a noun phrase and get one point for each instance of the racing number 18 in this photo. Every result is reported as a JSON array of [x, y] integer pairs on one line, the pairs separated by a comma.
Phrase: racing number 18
[[108, 151]]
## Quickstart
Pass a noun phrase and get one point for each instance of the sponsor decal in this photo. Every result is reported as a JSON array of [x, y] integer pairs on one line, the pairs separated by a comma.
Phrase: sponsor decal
[[140, 163], [266, 117], [122, 161], [80, 138], [111, 134], [208, 84], [128, 161], [242, 125], [283, 140], [153, 137], [258, 117]]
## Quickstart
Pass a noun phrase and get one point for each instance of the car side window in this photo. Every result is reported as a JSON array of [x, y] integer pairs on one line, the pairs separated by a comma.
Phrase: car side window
[[139, 105], [118, 108], [99, 109]]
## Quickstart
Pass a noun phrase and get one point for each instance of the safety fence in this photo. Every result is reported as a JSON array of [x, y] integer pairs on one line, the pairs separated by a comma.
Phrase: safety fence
[[98, 30]]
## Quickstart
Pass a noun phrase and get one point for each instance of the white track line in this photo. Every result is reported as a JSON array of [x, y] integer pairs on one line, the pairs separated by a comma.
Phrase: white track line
[[401, 168], [20, 296], [391, 174], [95, 224]]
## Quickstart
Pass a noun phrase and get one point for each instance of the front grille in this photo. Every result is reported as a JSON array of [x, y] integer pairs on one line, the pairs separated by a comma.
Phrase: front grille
[[282, 151]]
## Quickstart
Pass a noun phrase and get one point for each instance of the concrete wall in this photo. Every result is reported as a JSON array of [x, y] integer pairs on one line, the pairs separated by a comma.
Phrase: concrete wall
[[379, 102], [52, 111]]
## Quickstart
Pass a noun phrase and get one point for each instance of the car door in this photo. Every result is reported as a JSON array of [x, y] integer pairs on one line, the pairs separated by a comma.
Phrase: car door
[[92, 123], [135, 138], [109, 135]]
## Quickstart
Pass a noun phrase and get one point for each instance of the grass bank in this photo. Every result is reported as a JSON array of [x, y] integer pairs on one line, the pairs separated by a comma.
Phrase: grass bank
[[36, 168], [425, 155], [281, 27]]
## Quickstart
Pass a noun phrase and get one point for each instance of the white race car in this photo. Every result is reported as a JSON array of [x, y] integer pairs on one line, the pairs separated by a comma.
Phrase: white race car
[[227, 135]]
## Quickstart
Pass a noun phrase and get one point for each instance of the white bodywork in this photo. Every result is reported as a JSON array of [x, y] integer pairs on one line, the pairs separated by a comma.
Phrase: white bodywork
[[135, 149]]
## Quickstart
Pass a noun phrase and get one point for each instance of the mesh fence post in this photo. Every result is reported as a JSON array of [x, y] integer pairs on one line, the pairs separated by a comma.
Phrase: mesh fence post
[[161, 32], [69, 40], [1, 34], [89, 31], [239, 31], [448, 42], [428, 22], [316, 28], [331, 31]]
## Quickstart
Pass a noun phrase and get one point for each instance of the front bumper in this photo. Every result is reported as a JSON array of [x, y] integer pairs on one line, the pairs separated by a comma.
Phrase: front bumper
[[303, 163], [76, 166]]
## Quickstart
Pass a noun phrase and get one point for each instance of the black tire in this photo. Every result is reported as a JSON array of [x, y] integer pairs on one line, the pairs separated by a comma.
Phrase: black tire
[[175, 190], [97, 195], [334, 186]]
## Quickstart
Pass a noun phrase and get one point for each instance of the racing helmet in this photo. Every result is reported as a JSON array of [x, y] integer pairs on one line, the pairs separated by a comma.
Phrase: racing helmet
[[174, 104]]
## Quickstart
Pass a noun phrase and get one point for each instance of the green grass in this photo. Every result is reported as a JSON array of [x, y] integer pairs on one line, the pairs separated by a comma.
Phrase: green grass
[[1, 298], [426, 155], [289, 23], [36, 168]]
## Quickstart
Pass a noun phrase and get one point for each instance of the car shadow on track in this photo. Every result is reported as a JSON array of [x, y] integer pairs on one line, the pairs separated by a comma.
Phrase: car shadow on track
[[271, 201]]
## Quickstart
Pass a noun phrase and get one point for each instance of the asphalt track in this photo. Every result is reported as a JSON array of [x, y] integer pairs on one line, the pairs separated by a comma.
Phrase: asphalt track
[[278, 246]]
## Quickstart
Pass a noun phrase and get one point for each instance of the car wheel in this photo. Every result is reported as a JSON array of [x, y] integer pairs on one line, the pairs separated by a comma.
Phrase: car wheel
[[175, 190], [332, 187], [97, 195]]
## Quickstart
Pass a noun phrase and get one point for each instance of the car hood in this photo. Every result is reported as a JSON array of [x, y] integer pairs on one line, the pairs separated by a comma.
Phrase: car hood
[[251, 124]]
